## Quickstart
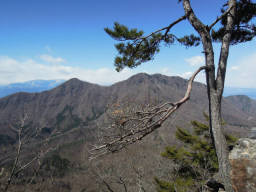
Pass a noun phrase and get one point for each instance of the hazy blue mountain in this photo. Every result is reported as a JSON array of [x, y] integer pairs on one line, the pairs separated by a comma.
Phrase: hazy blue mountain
[[29, 86], [250, 92]]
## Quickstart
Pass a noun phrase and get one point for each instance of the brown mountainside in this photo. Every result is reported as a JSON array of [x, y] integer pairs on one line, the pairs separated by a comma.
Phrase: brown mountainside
[[84, 102], [244, 103], [73, 111]]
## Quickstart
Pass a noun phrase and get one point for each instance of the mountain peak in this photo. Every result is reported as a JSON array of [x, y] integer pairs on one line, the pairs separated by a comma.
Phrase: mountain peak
[[244, 103], [140, 75], [74, 80]]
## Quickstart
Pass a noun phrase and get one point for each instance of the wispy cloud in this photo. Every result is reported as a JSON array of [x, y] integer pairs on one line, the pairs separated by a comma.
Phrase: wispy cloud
[[187, 74], [234, 68], [199, 78], [13, 70], [195, 61], [51, 59], [242, 74], [166, 71]]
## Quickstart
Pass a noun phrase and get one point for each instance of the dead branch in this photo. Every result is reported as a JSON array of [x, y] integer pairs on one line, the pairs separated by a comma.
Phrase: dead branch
[[134, 124], [107, 185], [139, 179], [23, 139], [15, 164], [122, 182]]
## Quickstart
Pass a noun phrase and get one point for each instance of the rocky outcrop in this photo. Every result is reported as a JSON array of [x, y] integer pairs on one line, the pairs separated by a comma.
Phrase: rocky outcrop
[[243, 162]]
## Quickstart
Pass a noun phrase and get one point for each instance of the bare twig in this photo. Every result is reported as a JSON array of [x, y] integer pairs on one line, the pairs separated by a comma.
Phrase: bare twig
[[14, 167], [23, 138], [121, 181], [138, 124], [107, 185], [139, 179]]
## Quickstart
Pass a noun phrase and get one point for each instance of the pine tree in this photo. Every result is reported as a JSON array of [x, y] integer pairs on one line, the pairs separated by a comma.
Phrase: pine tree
[[237, 25], [195, 162]]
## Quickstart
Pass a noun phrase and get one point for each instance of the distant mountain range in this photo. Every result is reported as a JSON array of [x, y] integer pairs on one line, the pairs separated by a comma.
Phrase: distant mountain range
[[29, 86], [250, 92], [36, 86], [81, 102], [74, 112]]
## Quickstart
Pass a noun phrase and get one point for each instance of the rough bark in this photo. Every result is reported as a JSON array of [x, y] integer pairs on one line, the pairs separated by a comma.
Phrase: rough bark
[[220, 141], [215, 86]]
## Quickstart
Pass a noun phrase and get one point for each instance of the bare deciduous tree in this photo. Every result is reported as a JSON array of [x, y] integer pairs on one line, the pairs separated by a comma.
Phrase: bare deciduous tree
[[20, 164]]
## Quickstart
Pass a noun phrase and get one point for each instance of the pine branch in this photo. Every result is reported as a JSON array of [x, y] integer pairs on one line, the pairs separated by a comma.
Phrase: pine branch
[[220, 17]]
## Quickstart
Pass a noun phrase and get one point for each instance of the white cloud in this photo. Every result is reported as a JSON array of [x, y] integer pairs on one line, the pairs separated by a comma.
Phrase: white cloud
[[240, 74], [199, 78], [195, 61], [243, 74], [234, 68], [166, 71], [186, 75], [12, 70], [51, 59]]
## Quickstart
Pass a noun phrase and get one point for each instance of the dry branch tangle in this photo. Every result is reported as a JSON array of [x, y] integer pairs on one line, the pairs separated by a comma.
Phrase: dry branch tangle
[[133, 124]]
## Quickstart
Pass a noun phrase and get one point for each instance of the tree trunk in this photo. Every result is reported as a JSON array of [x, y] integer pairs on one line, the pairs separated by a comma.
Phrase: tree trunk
[[219, 139], [215, 86]]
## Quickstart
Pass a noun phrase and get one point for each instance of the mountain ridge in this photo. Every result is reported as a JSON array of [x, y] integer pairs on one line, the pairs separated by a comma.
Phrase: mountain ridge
[[89, 101], [74, 112], [36, 86]]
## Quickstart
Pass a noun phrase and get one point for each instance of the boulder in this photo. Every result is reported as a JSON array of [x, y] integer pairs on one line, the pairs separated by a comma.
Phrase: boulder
[[243, 163]]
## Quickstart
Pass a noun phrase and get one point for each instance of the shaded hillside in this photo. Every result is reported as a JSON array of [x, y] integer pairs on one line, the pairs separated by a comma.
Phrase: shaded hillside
[[76, 100], [244, 103], [230, 91]]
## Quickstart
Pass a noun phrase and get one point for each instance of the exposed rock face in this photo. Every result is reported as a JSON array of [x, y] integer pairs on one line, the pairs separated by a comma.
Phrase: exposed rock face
[[243, 162], [253, 133]]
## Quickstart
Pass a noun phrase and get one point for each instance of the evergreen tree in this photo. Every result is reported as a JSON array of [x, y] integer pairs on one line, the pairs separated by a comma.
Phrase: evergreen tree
[[236, 26], [195, 162]]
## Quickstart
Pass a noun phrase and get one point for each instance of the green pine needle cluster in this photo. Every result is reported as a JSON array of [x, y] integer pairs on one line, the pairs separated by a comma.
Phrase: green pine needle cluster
[[195, 162], [135, 49], [244, 29]]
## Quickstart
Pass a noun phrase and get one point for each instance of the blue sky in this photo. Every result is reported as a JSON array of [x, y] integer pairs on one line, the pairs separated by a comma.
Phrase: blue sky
[[61, 39]]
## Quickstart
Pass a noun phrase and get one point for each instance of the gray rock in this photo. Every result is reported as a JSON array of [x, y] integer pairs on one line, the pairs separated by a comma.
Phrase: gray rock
[[253, 133], [243, 162]]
